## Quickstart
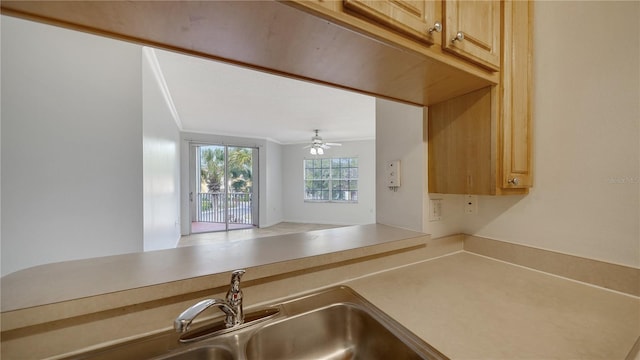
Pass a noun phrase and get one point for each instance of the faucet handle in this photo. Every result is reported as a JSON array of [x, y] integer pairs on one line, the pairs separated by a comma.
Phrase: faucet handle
[[234, 299], [234, 295], [236, 275]]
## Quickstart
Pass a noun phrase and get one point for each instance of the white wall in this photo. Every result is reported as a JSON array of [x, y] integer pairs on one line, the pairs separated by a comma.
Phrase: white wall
[[271, 205], [586, 195], [161, 161], [71, 145], [586, 198], [399, 137], [84, 118], [297, 210]]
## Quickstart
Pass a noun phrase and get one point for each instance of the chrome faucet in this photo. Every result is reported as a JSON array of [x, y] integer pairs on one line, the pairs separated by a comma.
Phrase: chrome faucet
[[231, 306]]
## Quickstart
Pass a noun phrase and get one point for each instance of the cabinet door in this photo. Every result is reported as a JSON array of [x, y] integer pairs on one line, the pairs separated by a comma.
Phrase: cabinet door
[[410, 17], [516, 81], [479, 23]]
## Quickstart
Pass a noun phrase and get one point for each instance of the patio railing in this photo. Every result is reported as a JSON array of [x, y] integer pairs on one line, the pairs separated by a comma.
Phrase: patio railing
[[210, 207]]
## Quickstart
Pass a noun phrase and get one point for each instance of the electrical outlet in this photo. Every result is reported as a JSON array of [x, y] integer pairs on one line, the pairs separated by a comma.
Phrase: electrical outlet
[[435, 209], [471, 204]]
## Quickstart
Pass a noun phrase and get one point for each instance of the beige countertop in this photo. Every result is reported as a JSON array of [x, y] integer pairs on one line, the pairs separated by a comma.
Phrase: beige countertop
[[472, 307], [137, 277], [465, 305]]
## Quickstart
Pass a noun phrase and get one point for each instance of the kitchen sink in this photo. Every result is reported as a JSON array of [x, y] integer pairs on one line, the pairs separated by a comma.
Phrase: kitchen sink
[[203, 353], [335, 323], [342, 331]]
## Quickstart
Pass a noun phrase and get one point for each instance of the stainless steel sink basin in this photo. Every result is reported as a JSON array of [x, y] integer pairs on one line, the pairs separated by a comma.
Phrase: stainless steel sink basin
[[342, 331], [203, 353], [336, 323]]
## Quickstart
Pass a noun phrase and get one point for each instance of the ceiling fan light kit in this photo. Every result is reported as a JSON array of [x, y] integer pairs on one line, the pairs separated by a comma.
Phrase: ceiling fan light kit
[[317, 146]]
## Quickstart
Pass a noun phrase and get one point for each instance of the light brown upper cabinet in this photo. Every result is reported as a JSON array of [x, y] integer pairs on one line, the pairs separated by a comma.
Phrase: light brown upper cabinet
[[311, 40], [472, 31], [469, 29], [516, 90], [480, 143], [416, 18]]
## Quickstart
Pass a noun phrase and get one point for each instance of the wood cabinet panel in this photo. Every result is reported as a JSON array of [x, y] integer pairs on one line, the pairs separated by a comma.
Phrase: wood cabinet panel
[[308, 40], [410, 17], [332, 5], [480, 143], [516, 86], [479, 22], [460, 136]]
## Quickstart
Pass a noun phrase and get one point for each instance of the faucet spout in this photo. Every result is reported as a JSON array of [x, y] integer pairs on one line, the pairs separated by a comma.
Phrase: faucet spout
[[231, 306], [184, 320]]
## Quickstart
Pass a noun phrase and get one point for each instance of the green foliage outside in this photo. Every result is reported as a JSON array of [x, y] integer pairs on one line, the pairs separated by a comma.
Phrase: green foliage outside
[[205, 204], [239, 167], [334, 179]]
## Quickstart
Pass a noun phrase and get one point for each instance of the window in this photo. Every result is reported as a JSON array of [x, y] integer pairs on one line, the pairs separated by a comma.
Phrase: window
[[333, 179]]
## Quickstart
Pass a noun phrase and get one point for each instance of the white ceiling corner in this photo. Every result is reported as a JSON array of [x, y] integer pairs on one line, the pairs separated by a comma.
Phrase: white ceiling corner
[[218, 98], [152, 59]]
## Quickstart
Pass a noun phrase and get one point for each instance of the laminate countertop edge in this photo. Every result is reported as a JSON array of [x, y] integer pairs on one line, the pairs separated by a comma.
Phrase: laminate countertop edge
[[74, 288]]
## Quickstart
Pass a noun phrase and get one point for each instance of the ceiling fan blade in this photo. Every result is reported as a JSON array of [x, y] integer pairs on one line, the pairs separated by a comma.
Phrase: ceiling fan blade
[[306, 147], [333, 144]]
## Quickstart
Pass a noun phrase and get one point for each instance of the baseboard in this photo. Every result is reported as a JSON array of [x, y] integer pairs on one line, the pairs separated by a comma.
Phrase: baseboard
[[616, 277]]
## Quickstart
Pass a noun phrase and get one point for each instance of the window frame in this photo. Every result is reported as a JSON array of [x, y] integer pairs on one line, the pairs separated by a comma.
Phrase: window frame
[[331, 179]]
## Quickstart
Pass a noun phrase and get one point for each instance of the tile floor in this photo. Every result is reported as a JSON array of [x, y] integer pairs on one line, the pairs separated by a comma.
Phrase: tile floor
[[234, 235]]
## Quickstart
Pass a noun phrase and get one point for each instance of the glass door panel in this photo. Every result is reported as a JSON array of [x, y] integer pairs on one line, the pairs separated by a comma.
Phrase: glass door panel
[[224, 187]]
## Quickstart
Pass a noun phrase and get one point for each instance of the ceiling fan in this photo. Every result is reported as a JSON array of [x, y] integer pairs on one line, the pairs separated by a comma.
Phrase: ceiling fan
[[317, 146]]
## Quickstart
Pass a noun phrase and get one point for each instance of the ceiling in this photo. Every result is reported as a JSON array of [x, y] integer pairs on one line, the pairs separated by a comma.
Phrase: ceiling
[[223, 99]]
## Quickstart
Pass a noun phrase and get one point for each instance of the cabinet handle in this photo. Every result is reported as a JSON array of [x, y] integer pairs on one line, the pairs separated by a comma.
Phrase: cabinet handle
[[437, 27], [459, 37], [514, 181]]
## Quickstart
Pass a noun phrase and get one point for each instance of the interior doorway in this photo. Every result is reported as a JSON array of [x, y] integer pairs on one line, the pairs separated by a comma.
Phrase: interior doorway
[[223, 188]]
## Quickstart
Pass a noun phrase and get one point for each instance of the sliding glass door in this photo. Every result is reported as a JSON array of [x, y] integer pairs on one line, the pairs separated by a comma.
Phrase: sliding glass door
[[223, 192]]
